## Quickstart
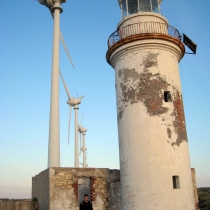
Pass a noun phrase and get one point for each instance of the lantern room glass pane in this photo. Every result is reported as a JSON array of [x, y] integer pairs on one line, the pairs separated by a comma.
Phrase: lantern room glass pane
[[155, 7], [132, 6], [145, 5], [124, 8]]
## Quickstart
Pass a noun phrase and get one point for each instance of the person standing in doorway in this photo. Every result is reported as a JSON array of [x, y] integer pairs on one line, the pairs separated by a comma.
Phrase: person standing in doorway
[[86, 204]]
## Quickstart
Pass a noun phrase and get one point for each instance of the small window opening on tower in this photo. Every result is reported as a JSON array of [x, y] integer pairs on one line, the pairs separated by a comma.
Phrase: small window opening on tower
[[175, 180], [167, 96]]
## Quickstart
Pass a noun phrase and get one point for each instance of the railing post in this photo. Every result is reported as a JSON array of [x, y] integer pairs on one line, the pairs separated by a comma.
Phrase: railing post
[[119, 33]]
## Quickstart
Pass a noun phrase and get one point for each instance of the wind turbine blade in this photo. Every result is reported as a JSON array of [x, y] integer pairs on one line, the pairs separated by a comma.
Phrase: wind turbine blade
[[70, 109], [81, 97], [67, 90], [63, 42], [51, 13], [65, 47]]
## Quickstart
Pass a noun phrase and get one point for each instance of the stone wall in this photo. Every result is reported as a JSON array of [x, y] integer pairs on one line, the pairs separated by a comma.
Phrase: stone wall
[[61, 188], [114, 190], [195, 191], [40, 189], [17, 204]]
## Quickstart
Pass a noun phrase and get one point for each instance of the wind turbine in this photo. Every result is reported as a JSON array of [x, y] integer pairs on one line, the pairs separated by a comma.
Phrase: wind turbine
[[54, 128], [73, 102], [83, 130]]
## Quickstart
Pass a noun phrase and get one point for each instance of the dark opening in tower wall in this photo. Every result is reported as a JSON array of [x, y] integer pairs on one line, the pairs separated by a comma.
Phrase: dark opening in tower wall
[[176, 183], [167, 96]]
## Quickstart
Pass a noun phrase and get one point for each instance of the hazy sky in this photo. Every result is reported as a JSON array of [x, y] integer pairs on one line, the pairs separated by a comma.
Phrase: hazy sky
[[25, 75]]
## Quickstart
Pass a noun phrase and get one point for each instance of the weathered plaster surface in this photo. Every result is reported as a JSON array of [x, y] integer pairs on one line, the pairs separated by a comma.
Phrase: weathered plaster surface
[[149, 89], [195, 191], [152, 133], [40, 189]]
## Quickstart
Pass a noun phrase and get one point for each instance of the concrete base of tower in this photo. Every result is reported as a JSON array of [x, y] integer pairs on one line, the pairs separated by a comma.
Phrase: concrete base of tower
[[63, 188]]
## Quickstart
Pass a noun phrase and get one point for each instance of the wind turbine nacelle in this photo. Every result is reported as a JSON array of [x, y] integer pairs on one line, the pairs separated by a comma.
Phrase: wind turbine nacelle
[[74, 101], [50, 3], [82, 130]]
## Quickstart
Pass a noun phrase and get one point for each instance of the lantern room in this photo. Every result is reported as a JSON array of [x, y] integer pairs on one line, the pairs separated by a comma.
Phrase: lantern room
[[130, 7]]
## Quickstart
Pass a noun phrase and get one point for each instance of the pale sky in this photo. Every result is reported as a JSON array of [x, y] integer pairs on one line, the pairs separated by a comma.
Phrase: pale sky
[[25, 76]]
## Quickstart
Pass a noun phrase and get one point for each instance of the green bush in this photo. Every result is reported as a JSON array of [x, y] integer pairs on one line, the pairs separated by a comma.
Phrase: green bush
[[35, 199], [204, 198]]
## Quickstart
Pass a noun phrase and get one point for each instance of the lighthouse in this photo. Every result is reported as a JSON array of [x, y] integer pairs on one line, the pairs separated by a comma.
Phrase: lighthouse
[[145, 51]]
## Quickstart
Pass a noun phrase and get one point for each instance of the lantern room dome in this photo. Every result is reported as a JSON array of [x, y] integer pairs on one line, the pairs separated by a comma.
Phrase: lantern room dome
[[130, 7]]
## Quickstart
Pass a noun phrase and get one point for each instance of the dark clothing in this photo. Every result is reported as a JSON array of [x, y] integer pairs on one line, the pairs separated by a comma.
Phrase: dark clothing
[[85, 206]]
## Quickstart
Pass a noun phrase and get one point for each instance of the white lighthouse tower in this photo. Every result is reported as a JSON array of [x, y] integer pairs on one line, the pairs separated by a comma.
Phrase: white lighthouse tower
[[154, 158]]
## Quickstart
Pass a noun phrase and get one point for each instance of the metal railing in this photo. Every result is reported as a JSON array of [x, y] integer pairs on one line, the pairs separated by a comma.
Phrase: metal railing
[[143, 28]]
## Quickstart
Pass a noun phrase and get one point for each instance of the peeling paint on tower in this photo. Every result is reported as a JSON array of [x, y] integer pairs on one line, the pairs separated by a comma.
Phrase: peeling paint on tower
[[148, 88], [144, 87], [150, 60]]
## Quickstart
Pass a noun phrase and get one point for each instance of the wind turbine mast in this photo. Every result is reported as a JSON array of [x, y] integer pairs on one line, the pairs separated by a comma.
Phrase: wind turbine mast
[[82, 130], [76, 159], [54, 128], [84, 150]]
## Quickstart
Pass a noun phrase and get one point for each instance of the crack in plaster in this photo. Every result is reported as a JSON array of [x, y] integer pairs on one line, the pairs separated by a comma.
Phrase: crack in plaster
[[169, 132]]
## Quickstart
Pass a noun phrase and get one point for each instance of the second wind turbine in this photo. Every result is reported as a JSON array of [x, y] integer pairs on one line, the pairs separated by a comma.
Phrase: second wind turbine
[[82, 130], [73, 102]]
